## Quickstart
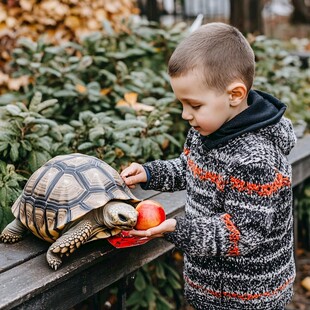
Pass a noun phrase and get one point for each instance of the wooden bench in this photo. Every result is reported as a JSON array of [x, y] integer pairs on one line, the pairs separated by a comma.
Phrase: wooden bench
[[27, 282]]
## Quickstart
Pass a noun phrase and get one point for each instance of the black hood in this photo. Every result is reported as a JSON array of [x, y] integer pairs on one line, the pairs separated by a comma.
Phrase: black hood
[[263, 110]]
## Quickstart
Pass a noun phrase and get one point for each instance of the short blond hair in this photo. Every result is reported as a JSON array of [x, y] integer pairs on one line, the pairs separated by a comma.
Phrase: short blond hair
[[220, 52]]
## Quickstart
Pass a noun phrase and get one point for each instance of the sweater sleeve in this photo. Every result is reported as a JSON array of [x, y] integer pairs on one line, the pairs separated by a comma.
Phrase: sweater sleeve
[[168, 175], [257, 209]]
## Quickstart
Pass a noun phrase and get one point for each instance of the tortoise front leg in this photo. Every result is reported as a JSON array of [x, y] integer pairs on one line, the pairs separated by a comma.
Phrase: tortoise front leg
[[68, 243], [13, 232]]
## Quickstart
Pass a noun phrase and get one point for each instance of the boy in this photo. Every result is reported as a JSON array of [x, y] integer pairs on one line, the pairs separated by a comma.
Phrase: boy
[[237, 232]]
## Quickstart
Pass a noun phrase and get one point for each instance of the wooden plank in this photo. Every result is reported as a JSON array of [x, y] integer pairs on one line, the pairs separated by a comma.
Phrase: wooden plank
[[14, 254], [300, 160], [86, 282]]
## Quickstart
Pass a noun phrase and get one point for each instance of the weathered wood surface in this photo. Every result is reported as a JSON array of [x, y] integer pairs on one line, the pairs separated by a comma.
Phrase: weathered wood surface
[[300, 160], [27, 282]]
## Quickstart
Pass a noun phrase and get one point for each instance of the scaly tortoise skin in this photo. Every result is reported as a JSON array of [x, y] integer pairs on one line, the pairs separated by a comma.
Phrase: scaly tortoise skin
[[70, 200]]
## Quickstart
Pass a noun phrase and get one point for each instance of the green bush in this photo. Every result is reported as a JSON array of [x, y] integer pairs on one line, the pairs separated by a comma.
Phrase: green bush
[[279, 72]]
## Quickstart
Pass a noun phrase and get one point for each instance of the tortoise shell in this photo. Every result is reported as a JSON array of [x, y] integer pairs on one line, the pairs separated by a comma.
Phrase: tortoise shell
[[63, 190]]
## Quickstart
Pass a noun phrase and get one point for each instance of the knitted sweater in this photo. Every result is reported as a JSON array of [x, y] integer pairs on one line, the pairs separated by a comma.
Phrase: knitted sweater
[[237, 232]]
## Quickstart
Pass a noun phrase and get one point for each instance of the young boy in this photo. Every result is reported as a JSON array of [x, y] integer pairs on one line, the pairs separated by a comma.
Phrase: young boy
[[237, 232]]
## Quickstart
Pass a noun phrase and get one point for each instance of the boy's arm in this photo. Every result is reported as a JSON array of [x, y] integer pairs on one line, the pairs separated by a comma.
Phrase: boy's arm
[[166, 175], [161, 175], [257, 201]]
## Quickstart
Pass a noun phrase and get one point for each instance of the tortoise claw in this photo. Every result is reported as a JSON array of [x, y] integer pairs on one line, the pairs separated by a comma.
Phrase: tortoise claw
[[10, 238], [53, 260]]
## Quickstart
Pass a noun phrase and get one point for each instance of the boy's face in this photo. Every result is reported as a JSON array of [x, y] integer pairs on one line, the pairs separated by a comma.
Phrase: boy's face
[[206, 110]]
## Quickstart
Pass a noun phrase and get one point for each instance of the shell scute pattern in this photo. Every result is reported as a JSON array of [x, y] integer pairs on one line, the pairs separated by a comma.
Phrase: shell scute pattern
[[63, 190]]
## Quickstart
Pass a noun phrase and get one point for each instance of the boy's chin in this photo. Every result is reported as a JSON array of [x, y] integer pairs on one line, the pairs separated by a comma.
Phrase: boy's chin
[[201, 132]]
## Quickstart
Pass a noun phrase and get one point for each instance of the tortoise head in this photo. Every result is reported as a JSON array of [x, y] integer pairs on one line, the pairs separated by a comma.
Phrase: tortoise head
[[119, 214]]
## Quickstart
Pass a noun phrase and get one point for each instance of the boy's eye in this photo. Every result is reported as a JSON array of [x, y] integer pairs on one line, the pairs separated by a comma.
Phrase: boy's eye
[[196, 107]]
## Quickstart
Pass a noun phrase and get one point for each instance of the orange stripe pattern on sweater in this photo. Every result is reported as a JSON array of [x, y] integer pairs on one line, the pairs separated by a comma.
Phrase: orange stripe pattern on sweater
[[245, 296], [234, 236], [268, 189]]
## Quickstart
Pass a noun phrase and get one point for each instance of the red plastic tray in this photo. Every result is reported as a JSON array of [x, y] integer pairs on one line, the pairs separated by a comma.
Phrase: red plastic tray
[[124, 240]]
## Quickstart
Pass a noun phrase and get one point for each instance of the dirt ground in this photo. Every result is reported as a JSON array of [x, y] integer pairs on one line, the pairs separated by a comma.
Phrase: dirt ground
[[301, 299]]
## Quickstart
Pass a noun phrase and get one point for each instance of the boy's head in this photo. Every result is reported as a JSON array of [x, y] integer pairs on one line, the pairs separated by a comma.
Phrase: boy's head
[[219, 52], [211, 73]]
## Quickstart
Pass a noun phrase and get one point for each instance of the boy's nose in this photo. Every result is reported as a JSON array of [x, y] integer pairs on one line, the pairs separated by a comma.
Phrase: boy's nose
[[186, 115]]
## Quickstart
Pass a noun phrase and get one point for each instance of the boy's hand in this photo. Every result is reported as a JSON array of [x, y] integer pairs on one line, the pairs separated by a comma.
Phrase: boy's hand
[[134, 174], [155, 232]]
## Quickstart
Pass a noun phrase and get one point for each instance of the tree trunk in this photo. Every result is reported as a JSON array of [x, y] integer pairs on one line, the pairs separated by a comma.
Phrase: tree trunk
[[301, 12], [152, 11], [246, 15]]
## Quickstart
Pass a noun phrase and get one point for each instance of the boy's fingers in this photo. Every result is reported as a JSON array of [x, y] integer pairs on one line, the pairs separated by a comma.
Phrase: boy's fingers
[[134, 179]]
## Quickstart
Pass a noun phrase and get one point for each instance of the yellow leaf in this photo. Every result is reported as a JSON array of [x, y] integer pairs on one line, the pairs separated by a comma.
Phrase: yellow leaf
[[131, 101], [80, 88], [26, 4], [112, 7], [11, 22], [3, 16], [72, 22], [306, 283], [119, 153], [122, 103], [93, 24], [15, 84], [131, 98], [100, 14], [3, 78], [105, 91]]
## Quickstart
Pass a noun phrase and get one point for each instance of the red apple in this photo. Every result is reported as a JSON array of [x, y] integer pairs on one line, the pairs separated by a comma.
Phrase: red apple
[[150, 214]]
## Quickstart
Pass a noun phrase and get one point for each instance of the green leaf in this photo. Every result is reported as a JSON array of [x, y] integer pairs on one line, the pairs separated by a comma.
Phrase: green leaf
[[65, 93], [172, 139], [85, 146], [36, 99], [96, 133], [163, 303], [140, 284], [3, 146], [22, 61], [160, 272], [29, 44], [14, 151], [6, 215], [45, 104], [45, 70], [174, 283], [37, 159], [13, 109], [133, 299], [45, 121], [173, 272], [123, 146], [150, 294], [121, 125]]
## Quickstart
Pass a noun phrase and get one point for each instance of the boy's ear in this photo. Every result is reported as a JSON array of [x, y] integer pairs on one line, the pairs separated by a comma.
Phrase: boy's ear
[[237, 92]]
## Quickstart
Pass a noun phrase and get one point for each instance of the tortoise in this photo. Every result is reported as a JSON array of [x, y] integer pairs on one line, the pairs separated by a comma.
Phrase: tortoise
[[70, 200]]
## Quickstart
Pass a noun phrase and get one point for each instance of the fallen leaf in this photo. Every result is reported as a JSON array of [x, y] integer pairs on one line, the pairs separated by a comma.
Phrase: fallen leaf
[[81, 88]]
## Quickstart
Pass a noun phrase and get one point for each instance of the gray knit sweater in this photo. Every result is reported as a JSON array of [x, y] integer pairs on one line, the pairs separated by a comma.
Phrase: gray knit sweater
[[237, 232]]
